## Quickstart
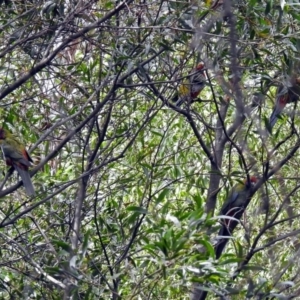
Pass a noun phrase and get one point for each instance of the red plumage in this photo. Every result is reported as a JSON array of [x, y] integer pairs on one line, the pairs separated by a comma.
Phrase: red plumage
[[17, 157]]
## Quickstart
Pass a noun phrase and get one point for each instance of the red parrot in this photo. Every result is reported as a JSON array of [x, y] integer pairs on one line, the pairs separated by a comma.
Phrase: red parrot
[[234, 207], [191, 87], [285, 95], [16, 156]]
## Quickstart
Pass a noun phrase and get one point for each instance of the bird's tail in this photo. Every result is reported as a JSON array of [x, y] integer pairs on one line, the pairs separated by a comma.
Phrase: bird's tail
[[26, 180], [274, 116], [273, 119], [223, 242], [280, 104]]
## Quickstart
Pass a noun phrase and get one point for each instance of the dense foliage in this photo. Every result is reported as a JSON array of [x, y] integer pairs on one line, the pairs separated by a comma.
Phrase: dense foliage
[[129, 186]]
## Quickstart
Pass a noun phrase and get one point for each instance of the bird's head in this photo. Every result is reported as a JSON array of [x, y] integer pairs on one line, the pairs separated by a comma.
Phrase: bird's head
[[200, 66], [252, 181]]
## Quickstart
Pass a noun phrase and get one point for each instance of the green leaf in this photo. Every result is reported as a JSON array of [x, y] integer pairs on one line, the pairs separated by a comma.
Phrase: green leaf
[[268, 7], [137, 209], [253, 268], [208, 247], [162, 195], [63, 245]]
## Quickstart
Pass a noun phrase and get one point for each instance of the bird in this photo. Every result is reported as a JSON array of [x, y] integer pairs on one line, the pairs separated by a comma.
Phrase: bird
[[234, 207], [286, 93], [16, 156], [190, 88]]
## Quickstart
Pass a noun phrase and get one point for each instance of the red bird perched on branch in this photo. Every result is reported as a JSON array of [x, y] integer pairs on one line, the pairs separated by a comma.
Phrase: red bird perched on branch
[[192, 86], [234, 207], [285, 94], [16, 156]]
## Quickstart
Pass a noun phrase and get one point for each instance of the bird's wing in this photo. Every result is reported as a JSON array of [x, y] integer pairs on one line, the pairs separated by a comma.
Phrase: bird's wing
[[230, 201], [15, 154]]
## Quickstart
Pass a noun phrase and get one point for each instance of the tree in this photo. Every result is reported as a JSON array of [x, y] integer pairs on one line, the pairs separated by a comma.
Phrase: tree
[[129, 187]]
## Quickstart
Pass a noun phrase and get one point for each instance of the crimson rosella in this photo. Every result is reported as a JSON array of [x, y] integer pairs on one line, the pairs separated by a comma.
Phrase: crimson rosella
[[191, 87], [16, 156], [234, 207], [285, 94]]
